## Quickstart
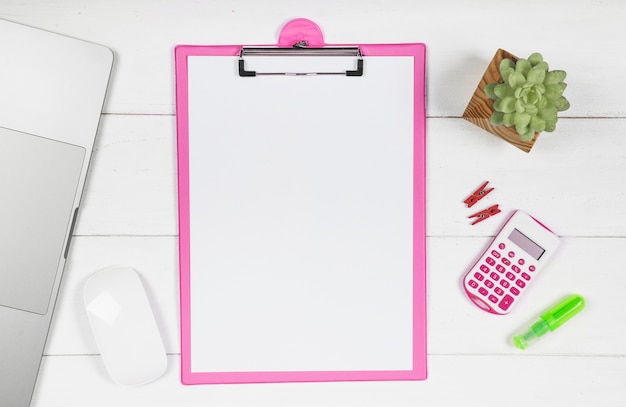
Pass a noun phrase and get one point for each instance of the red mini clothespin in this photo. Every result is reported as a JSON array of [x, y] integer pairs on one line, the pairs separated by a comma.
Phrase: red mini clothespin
[[484, 214], [479, 194]]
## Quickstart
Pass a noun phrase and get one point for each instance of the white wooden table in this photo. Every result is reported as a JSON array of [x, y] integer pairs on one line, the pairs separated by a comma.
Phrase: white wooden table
[[573, 180]]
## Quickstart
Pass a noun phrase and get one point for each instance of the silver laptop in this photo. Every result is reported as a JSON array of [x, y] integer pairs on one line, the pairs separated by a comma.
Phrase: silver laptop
[[52, 90]]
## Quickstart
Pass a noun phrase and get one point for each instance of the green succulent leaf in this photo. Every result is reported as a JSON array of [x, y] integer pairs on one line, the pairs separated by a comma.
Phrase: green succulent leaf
[[535, 58], [549, 114], [531, 109], [537, 124], [502, 90], [497, 118], [506, 105], [523, 66], [536, 75], [505, 73], [554, 77], [561, 104], [506, 64], [540, 88], [543, 102], [509, 104], [554, 91], [522, 120], [531, 97], [509, 119], [542, 65], [521, 129], [529, 135], [516, 80], [526, 134], [550, 126], [490, 91]]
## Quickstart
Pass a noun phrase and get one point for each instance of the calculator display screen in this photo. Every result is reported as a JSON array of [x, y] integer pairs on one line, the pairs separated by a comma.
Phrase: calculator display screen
[[526, 244]]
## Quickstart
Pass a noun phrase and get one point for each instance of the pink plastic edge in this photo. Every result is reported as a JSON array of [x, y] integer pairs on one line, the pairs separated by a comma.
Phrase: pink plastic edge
[[419, 370], [301, 29]]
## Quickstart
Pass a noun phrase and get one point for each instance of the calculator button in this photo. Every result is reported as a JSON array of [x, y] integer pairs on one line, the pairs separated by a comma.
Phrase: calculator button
[[501, 246], [506, 261], [504, 283], [494, 276], [490, 261], [510, 276], [506, 302], [478, 276], [520, 284], [500, 268], [531, 268], [515, 268], [495, 254], [514, 291], [525, 276], [493, 298], [489, 283], [472, 284], [484, 269], [499, 291], [521, 262], [483, 291], [511, 254]]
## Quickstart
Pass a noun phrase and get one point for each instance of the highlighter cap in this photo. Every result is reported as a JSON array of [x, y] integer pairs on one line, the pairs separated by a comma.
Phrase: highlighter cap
[[563, 311], [551, 320]]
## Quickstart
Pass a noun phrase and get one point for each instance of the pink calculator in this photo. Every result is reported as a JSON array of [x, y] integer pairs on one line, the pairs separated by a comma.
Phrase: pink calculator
[[510, 264]]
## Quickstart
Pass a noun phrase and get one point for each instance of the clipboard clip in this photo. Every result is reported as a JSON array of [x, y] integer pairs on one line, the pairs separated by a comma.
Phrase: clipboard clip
[[301, 37], [301, 51]]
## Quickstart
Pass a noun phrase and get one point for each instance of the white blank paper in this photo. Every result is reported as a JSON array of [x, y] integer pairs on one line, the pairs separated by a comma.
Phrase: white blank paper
[[301, 217]]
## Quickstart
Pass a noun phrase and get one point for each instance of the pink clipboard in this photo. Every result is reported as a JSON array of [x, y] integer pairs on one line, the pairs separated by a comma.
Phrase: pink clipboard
[[200, 340]]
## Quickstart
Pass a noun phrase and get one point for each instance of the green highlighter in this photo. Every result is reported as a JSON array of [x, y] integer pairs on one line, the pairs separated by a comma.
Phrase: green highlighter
[[551, 320]]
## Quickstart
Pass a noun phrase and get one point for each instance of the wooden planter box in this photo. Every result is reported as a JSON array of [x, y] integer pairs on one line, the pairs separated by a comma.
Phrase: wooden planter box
[[480, 107]]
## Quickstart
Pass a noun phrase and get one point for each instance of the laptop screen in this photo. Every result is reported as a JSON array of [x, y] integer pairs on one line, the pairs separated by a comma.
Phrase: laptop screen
[[38, 180]]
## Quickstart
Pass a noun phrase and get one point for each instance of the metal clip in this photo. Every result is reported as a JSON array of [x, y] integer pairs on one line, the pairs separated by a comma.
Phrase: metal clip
[[301, 44]]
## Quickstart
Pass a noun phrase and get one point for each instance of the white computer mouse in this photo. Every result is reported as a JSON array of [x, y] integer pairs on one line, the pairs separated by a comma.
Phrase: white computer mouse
[[124, 326]]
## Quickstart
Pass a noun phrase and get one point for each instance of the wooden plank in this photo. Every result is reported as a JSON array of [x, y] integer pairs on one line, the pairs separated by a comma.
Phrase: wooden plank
[[143, 79], [454, 380], [131, 185], [572, 179], [588, 266]]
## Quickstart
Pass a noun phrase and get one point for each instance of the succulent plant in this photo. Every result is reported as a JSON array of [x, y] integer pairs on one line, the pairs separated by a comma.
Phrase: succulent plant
[[530, 96]]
